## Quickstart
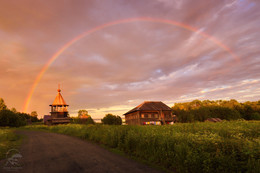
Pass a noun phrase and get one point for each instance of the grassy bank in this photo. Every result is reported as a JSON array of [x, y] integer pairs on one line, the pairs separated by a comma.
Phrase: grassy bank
[[8, 140], [196, 147]]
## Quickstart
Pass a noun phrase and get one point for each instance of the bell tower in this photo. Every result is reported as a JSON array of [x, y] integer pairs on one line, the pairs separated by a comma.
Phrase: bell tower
[[59, 108]]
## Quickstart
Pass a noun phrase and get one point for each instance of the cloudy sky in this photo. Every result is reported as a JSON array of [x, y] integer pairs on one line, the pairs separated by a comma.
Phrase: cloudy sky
[[119, 66]]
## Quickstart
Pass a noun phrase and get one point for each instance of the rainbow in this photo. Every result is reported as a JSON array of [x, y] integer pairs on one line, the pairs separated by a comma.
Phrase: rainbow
[[100, 27]]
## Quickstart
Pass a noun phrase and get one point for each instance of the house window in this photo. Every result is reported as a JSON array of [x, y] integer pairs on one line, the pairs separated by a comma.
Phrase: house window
[[142, 115], [149, 115], [156, 116]]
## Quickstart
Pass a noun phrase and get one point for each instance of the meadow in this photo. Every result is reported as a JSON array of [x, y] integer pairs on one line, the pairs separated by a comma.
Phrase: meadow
[[228, 146], [8, 140]]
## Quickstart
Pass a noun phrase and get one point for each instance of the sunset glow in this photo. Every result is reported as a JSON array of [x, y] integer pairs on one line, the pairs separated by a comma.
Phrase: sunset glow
[[146, 19], [110, 56]]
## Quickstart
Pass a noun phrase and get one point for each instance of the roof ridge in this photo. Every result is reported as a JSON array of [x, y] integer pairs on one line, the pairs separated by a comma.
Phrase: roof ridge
[[152, 105]]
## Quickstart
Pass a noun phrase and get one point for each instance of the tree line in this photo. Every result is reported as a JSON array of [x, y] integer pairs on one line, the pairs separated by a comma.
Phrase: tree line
[[85, 118], [197, 110], [12, 118]]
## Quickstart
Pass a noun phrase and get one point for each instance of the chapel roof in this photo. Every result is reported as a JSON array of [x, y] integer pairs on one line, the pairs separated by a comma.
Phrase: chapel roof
[[59, 101]]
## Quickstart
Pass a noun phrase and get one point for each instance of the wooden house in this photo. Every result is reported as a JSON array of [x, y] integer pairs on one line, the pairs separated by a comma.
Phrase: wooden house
[[150, 112]]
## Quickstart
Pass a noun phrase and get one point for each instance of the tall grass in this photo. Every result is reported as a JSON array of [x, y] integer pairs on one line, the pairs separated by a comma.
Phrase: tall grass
[[8, 140], [196, 147]]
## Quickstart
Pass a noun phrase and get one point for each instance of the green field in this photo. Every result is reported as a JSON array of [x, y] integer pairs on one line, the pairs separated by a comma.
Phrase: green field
[[8, 140], [229, 146]]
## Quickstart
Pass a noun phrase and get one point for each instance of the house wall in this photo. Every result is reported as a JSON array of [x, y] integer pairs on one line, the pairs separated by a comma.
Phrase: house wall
[[139, 117]]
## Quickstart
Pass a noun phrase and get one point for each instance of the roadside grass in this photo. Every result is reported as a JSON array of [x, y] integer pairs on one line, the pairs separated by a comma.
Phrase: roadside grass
[[229, 146], [8, 140]]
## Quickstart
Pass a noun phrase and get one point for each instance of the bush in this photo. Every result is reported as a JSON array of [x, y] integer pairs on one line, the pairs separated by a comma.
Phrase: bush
[[112, 120]]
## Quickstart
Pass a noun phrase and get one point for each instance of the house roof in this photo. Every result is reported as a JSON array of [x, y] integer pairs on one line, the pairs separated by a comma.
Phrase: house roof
[[213, 120], [150, 106], [59, 101]]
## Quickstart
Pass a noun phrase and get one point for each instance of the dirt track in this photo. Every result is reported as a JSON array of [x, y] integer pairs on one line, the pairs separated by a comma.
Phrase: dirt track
[[50, 152]]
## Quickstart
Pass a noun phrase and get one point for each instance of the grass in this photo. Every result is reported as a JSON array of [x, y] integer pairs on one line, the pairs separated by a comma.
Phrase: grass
[[229, 146], [8, 140]]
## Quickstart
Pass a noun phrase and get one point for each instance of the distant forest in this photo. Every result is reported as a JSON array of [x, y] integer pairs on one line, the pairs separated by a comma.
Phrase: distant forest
[[12, 118], [228, 110]]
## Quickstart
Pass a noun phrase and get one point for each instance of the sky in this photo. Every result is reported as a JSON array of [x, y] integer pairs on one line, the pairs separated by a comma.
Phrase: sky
[[119, 66]]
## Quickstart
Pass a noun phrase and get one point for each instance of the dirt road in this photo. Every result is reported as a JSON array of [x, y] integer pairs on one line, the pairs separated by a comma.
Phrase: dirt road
[[50, 152]]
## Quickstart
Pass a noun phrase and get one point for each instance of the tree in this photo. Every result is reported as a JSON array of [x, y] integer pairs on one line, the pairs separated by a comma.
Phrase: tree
[[90, 120], [248, 112], [2, 104], [14, 110], [112, 119], [255, 116], [24, 115], [11, 119], [118, 120], [195, 103], [34, 114], [83, 113]]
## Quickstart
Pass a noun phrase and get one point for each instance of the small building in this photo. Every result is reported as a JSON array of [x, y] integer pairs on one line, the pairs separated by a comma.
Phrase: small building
[[214, 120], [150, 112], [59, 111], [46, 118]]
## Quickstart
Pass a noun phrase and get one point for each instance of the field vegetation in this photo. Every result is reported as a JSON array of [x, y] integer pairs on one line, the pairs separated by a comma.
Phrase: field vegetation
[[228, 146], [8, 140]]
